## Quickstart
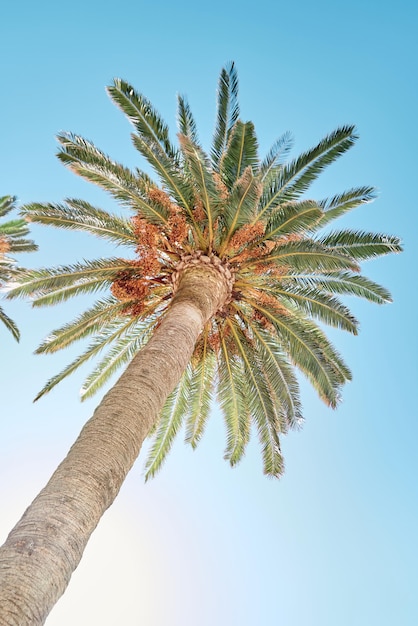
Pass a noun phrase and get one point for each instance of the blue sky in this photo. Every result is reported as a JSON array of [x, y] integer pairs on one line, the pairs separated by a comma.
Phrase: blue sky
[[334, 541]]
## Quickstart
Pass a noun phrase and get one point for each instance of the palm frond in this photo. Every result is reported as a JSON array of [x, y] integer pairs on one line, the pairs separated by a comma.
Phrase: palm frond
[[232, 402], [275, 157], [293, 217], [315, 303], [199, 165], [291, 180], [50, 286], [347, 284], [240, 205], [342, 203], [277, 369], [311, 352], [201, 389], [121, 353], [241, 152], [142, 115], [7, 204], [80, 215], [10, 324], [305, 254], [361, 245], [88, 323], [227, 112], [108, 335], [170, 421], [260, 404], [83, 158], [173, 179], [185, 120]]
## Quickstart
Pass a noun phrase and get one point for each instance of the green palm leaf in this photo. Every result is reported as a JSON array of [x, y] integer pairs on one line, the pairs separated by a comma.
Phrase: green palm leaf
[[9, 323], [302, 255], [232, 402], [293, 217], [295, 178], [185, 120], [171, 419], [342, 203], [260, 405], [360, 245], [241, 152], [83, 158], [276, 155], [201, 389], [199, 166], [142, 115], [227, 112], [88, 323], [50, 286], [108, 335], [122, 352], [240, 205], [80, 215]]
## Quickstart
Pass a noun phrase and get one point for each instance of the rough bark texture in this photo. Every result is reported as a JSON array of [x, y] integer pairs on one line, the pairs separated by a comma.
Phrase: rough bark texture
[[46, 545]]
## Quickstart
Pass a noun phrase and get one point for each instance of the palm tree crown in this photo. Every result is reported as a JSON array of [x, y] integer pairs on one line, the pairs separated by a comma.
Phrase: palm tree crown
[[249, 219], [12, 240]]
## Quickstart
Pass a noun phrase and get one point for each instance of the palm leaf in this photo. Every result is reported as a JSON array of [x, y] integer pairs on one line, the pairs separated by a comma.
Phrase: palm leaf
[[108, 335], [361, 245], [314, 303], [292, 218], [275, 157], [349, 284], [199, 166], [201, 388], [50, 286], [342, 203], [227, 112], [80, 215], [295, 178], [241, 152], [260, 405], [122, 352], [306, 255], [170, 421], [142, 115], [83, 158], [185, 120], [311, 352], [240, 205], [88, 323], [232, 402], [9, 323]]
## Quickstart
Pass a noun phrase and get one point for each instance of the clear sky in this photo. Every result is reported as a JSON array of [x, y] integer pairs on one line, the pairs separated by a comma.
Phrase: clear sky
[[334, 542]]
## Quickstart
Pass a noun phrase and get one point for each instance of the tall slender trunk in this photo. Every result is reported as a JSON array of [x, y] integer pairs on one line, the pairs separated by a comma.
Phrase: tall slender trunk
[[46, 545]]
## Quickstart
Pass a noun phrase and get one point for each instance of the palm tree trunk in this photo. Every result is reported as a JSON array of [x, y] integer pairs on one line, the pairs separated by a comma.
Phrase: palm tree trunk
[[46, 545]]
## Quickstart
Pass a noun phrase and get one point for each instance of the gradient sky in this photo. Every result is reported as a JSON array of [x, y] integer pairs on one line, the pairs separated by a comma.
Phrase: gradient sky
[[334, 542]]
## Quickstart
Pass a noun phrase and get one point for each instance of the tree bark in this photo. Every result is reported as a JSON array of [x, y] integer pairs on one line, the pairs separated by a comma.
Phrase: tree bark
[[46, 545]]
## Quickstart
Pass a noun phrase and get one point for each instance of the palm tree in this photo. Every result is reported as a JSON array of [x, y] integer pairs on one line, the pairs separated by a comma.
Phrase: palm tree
[[228, 276], [12, 239]]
